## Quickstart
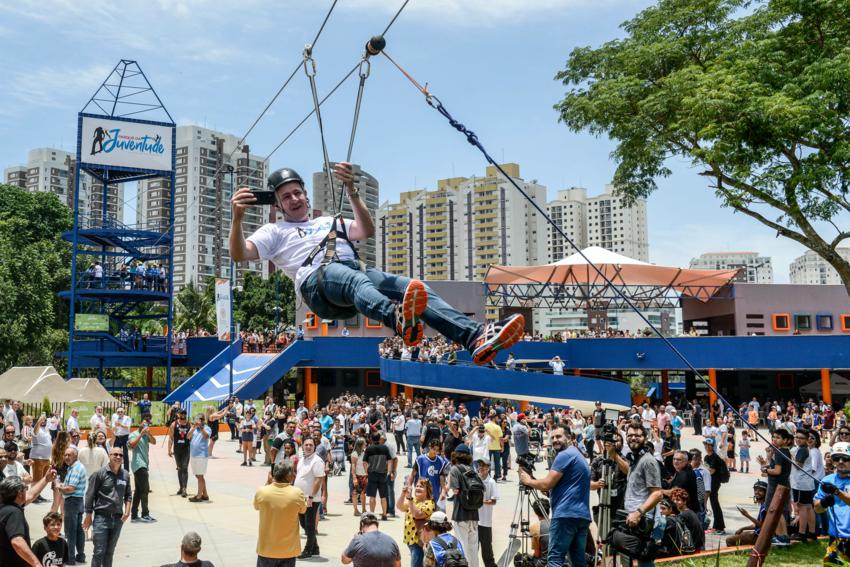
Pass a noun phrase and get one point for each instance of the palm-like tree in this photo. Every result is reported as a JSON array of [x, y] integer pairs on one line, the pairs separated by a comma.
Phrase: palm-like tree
[[193, 310]]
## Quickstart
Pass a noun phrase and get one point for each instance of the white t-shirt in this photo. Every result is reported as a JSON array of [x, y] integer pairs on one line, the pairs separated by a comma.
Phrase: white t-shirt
[[557, 366], [309, 469], [14, 468], [481, 447], [98, 422], [72, 424], [398, 423], [485, 513], [53, 423], [121, 425], [288, 244]]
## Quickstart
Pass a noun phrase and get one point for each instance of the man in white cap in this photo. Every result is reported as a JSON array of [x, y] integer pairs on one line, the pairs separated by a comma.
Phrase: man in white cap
[[833, 497]]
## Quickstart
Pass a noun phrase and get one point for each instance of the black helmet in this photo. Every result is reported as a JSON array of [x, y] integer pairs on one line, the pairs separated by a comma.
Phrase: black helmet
[[284, 175]]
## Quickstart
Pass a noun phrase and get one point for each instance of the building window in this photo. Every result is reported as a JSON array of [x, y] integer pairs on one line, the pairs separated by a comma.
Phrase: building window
[[370, 324], [824, 321], [781, 322], [802, 321], [311, 321], [845, 322]]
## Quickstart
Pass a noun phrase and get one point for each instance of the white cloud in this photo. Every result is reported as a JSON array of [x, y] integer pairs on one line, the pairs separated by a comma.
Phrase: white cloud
[[53, 87]]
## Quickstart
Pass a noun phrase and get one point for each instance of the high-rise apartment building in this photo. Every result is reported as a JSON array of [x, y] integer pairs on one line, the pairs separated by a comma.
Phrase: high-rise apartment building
[[754, 267], [208, 166], [602, 220], [811, 269], [368, 187], [49, 170], [458, 230]]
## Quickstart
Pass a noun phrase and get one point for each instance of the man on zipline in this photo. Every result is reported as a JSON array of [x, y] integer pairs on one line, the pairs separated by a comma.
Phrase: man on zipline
[[330, 277]]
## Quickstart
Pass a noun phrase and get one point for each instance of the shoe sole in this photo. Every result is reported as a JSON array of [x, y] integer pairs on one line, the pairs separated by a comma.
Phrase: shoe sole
[[415, 301], [507, 337]]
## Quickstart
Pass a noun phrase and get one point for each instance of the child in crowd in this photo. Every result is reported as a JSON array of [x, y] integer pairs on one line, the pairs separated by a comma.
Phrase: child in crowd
[[744, 451], [51, 550]]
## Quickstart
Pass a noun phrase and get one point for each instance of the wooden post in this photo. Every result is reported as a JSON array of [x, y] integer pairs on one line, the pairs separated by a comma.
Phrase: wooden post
[[393, 389], [758, 555], [712, 397], [825, 386], [148, 379], [665, 386]]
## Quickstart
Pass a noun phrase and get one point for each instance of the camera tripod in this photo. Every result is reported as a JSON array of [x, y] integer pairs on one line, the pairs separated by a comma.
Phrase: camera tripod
[[520, 523], [603, 521]]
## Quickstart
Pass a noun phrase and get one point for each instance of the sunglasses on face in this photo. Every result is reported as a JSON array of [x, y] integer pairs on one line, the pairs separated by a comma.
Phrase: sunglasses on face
[[840, 459]]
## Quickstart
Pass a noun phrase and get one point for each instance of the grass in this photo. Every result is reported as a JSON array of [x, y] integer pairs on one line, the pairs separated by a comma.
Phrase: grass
[[798, 555]]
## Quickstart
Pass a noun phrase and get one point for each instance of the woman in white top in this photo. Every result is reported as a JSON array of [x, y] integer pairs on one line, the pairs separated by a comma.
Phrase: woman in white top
[[360, 477], [93, 457], [42, 445]]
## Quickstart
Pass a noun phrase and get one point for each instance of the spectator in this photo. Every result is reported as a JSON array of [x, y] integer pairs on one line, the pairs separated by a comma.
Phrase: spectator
[[121, 428], [370, 547], [14, 538], [676, 539], [178, 447], [557, 365], [803, 487], [14, 467], [432, 467], [72, 423], [418, 509], [74, 489], [413, 430], [778, 471], [683, 477], [539, 530], [309, 477], [485, 514], [108, 498], [465, 509], [190, 547], [280, 505], [377, 457], [747, 535], [140, 442], [198, 456], [440, 545], [680, 499], [52, 549], [494, 430], [718, 470]]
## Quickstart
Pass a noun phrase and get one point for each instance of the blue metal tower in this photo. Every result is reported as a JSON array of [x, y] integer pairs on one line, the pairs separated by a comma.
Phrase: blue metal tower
[[121, 276]]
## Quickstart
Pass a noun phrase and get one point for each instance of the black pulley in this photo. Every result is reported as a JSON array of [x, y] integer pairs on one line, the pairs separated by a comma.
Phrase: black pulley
[[375, 45]]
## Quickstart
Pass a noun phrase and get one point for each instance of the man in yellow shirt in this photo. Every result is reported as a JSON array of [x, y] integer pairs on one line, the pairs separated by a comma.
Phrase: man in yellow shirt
[[494, 430], [279, 504]]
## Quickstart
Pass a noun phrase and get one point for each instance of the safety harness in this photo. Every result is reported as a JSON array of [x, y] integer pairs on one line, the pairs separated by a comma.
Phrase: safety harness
[[328, 244]]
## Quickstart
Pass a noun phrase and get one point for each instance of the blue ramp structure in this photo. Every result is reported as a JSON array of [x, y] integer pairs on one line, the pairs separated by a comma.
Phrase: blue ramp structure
[[535, 387]]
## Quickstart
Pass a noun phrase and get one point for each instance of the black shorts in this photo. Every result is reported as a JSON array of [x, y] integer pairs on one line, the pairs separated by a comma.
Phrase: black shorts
[[375, 486], [802, 496], [214, 434]]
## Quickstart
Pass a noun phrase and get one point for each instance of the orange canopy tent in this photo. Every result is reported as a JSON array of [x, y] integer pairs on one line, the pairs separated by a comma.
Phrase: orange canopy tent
[[574, 283]]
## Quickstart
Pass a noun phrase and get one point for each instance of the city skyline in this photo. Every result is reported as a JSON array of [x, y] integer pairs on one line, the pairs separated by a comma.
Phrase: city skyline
[[224, 70]]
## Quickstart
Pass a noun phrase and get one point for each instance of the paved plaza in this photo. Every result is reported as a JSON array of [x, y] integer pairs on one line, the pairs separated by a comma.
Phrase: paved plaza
[[228, 522]]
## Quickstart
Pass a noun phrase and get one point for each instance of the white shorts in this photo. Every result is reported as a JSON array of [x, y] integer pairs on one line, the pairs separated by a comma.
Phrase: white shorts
[[199, 465]]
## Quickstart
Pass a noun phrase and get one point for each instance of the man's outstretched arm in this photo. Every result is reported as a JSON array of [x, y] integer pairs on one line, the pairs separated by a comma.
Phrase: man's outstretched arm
[[363, 227], [241, 250]]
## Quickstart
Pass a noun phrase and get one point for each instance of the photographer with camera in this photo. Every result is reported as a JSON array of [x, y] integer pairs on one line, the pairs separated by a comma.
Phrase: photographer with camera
[[567, 482], [140, 442], [643, 493], [612, 446], [833, 497]]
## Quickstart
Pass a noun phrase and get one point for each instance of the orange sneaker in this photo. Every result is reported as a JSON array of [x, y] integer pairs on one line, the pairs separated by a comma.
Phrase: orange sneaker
[[495, 337], [414, 302]]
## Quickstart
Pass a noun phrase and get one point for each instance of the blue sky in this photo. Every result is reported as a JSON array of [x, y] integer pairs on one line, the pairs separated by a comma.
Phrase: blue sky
[[491, 62]]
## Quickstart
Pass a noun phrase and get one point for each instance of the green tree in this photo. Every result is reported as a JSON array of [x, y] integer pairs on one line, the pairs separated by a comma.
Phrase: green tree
[[34, 267], [756, 94], [256, 303], [193, 310]]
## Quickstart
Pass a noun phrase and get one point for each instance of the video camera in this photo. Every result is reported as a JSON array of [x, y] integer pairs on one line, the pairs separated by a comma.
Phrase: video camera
[[527, 463], [609, 429]]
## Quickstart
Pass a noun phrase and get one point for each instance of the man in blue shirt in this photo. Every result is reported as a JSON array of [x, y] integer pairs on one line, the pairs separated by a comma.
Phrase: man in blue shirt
[[433, 467], [833, 497], [568, 483]]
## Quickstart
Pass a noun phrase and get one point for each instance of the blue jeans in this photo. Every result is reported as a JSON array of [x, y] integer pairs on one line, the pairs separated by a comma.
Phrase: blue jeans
[[567, 535], [105, 533], [372, 293], [412, 445], [496, 463], [74, 533], [417, 555]]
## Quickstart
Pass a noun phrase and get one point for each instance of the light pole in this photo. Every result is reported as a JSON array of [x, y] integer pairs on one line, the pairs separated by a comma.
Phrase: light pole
[[232, 322]]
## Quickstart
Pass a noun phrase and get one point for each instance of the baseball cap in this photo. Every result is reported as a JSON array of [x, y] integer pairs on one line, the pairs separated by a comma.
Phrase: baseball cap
[[709, 441], [520, 417], [841, 448], [760, 484], [369, 517], [462, 448], [438, 518]]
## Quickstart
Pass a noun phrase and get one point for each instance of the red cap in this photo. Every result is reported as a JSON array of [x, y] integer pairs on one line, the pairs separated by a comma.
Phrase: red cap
[[520, 417]]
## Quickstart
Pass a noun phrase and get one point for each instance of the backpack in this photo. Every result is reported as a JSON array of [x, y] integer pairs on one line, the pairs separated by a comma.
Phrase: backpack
[[448, 551], [471, 489], [677, 533]]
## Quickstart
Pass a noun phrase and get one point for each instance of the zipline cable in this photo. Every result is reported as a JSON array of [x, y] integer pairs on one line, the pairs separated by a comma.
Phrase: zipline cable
[[310, 70], [473, 140]]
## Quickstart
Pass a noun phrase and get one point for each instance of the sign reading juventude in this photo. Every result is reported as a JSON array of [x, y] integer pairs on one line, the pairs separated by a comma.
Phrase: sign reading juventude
[[122, 143]]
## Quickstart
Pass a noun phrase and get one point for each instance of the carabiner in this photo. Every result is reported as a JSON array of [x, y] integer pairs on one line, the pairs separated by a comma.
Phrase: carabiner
[[365, 67], [309, 66]]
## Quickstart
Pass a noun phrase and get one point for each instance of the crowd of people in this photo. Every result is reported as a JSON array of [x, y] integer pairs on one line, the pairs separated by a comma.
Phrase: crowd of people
[[148, 276], [456, 459]]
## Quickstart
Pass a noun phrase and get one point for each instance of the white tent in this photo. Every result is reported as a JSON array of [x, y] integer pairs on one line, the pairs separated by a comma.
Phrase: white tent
[[838, 386], [30, 384]]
